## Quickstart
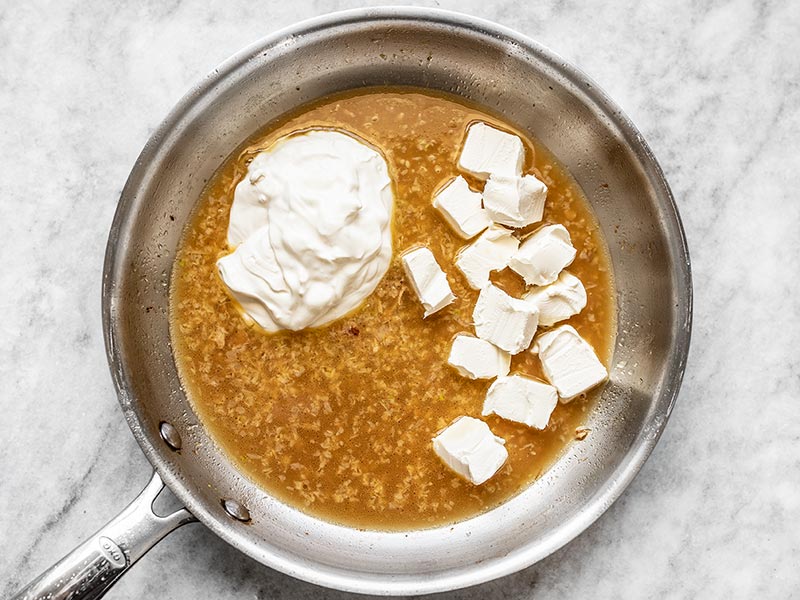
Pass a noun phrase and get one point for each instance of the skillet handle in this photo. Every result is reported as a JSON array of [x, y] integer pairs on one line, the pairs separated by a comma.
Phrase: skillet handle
[[90, 570]]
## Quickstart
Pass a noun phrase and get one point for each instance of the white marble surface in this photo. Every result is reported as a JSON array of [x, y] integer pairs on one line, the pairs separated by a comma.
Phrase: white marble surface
[[715, 513]]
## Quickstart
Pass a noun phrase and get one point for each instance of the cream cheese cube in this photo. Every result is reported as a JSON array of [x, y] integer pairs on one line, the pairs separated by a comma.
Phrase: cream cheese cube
[[490, 252], [478, 359], [514, 201], [488, 150], [461, 208], [569, 362], [558, 301], [521, 399], [470, 449], [428, 280], [543, 255], [508, 323]]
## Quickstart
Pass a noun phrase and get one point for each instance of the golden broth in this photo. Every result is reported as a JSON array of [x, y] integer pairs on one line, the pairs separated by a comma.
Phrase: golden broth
[[337, 421]]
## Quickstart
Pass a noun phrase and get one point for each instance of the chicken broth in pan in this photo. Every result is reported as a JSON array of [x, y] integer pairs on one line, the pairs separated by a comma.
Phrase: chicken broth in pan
[[337, 420]]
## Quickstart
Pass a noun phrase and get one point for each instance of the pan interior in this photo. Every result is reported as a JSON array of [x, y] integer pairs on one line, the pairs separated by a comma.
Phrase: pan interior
[[537, 93]]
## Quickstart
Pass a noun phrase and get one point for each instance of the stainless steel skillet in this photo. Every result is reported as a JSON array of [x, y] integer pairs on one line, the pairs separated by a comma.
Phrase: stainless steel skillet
[[495, 67]]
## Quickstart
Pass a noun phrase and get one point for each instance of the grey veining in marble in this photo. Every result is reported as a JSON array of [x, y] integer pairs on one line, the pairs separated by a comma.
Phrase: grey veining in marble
[[714, 87]]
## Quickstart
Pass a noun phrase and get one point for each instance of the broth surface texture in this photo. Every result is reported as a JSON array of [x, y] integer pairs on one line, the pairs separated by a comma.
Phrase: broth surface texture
[[337, 421]]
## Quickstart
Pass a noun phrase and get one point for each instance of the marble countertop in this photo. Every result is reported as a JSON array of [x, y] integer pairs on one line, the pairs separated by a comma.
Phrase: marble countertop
[[715, 512]]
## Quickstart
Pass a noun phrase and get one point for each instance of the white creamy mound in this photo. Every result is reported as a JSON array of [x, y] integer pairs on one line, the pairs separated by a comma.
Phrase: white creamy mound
[[311, 228]]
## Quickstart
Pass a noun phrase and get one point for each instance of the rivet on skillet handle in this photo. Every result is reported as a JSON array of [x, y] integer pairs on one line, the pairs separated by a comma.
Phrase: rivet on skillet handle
[[170, 435], [92, 568], [236, 510]]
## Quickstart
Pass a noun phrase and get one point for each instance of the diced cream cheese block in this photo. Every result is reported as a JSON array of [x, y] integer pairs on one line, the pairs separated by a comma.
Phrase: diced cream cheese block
[[478, 359], [521, 399], [543, 255], [569, 362], [461, 208], [490, 252], [560, 300], [488, 150], [514, 201], [508, 323], [428, 280], [470, 449]]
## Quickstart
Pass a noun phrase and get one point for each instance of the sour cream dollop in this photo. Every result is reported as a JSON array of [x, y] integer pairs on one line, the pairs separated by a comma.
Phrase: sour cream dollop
[[310, 229]]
